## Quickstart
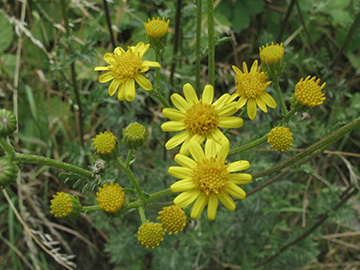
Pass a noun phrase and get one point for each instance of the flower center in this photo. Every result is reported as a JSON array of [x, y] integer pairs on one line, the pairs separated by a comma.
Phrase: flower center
[[126, 65], [201, 118], [251, 86], [211, 176]]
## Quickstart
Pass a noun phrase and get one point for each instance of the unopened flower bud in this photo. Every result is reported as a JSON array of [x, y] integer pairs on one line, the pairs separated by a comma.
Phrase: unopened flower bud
[[134, 135], [65, 206], [7, 123], [8, 171]]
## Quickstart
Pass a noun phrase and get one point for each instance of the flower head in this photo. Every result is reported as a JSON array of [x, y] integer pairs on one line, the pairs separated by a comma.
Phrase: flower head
[[134, 135], [8, 172], [280, 138], [250, 87], [207, 178], [157, 28], [272, 59], [199, 119], [150, 234], [172, 219], [106, 145], [308, 92], [110, 198], [124, 69], [65, 205], [7, 123]]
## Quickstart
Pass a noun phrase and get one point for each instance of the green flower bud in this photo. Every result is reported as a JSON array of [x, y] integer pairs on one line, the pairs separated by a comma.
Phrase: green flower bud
[[7, 123], [134, 135], [65, 206], [8, 171]]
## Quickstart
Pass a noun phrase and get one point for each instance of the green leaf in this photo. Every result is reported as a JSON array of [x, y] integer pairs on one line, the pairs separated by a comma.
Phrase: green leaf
[[7, 33]]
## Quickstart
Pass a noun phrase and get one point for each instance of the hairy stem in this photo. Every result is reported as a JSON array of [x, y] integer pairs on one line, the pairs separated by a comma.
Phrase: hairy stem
[[280, 96], [198, 43], [211, 42]]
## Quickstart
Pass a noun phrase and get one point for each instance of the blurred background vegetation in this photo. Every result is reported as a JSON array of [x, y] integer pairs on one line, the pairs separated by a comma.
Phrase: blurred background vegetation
[[36, 58]]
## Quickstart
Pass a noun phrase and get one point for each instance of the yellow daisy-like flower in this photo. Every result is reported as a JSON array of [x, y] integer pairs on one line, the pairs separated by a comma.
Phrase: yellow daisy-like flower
[[271, 54], [124, 69], [199, 119], [207, 178], [151, 234], [105, 142], [308, 92], [65, 205], [172, 219], [110, 198], [280, 138], [157, 28], [250, 87]]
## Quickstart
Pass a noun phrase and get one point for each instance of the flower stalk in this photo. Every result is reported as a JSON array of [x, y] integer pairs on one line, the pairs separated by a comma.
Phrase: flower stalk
[[211, 42]]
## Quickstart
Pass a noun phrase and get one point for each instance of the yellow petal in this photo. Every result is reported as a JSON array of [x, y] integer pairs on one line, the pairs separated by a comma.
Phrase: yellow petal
[[101, 68], [208, 94], [261, 104], [143, 82], [183, 185], [269, 100], [241, 102], [114, 87], [185, 198], [236, 69], [240, 178], [108, 57], [212, 207], [251, 108], [184, 149], [245, 68], [121, 92], [173, 114], [199, 206], [225, 98], [196, 151], [108, 76], [227, 110], [235, 191], [185, 161], [119, 51], [223, 151], [190, 94], [150, 64], [218, 136], [238, 166], [227, 201], [173, 126], [180, 172], [177, 139], [210, 148], [180, 102], [130, 90], [230, 122]]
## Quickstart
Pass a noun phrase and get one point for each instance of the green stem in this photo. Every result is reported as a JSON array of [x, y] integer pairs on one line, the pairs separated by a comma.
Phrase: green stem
[[142, 214], [73, 73], [290, 114], [27, 158], [211, 42], [9, 150], [328, 140], [280, 96], [248, 146], [160, 97], [177, 37], [108, 22], [198, 44], [91, 208], [158, 195], [129, 157], [130, 175]]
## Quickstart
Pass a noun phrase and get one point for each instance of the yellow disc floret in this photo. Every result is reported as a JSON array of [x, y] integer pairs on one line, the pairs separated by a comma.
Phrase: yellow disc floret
[[280, 138], [104, 143], [150, 234], [172, 219], [157, 28], [271, 54], [61, 205], [110, 198], [308, 92]]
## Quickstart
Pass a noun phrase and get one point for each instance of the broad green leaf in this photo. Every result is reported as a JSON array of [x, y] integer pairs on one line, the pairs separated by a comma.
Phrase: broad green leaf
[[7, 33]]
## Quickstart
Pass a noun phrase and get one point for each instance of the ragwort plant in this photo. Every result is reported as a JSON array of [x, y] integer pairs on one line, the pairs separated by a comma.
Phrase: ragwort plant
[[207, 177]]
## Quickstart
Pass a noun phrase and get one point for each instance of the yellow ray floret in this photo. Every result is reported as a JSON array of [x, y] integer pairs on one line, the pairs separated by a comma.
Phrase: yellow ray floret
[[199, 119], [207, 178], [250, 87], [124, 69], [280, 138], [308, 92]]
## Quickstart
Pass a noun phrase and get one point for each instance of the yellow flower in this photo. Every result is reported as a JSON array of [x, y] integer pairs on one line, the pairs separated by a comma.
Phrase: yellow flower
[[308, 92], [172, 219], [65, 205], [150, 234], [157, 28], [199, 119], [106, 145], [110, 198], [208, 178], [250, 87], [124, 69], [280, 138], [271, 54]]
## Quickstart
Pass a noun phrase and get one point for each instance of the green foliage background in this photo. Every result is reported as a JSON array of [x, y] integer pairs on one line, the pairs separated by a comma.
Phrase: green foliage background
[[264, 222]]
